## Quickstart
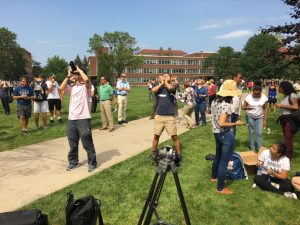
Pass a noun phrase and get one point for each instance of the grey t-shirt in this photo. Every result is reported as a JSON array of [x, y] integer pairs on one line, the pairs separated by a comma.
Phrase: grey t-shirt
[[285, 101], [217, 109]]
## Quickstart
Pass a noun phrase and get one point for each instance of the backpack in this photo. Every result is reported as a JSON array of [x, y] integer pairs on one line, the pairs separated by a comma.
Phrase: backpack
[[24, 217], [236, 169], [83, 211]]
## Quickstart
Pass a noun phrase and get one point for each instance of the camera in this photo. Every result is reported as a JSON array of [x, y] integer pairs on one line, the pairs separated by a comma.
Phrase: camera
[[73, 66], [166, 153]]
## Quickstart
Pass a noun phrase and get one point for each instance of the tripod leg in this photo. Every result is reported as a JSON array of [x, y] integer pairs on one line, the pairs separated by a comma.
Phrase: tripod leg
[[149, 197], [155, 198], [180, 194]]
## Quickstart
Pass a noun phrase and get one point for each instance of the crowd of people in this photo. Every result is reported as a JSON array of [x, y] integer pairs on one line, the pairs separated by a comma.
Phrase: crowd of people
[[223, 101]]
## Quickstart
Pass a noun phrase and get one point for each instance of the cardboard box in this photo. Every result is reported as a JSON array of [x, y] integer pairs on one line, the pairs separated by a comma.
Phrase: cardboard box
[[250, 159]]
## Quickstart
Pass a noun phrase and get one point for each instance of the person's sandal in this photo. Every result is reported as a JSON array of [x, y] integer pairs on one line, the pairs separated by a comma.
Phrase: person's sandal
[[225, 191]]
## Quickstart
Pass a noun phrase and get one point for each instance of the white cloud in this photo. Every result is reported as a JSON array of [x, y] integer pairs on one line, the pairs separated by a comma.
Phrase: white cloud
[[236, 34], [221, 23]]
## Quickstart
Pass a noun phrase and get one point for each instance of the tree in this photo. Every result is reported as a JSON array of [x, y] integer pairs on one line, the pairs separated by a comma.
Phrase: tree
[[36, 68], [78, 61], [58, 66], [121, 52], [291, 32], [261, 58], [85, 63], [11, 56], [225, 62]]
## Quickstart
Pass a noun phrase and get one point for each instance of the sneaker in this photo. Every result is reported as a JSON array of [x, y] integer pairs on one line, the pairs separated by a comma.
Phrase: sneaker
[[111, 129], [91, 168], [225, 191], [22, 132], [60, 121], [120, 122], [72, 167], [254, 185], [51, 121], [124, 121], [290, 195]]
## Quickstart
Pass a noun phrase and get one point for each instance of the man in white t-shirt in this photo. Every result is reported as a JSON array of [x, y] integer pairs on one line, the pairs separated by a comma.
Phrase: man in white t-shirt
[[79, 119], [274, 167], [256, 104], [54, 99]]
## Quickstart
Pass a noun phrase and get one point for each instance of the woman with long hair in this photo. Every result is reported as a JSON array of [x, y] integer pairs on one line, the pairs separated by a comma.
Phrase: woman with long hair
[[288, 104], [222, 128]]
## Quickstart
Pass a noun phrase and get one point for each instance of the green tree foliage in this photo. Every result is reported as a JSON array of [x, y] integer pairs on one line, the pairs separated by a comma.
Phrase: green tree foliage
[[78, 61], [122, 51], [291, 32], [58, 66], [11, 56], [85, 63], [261, 58], [225, 62], [36, 68]]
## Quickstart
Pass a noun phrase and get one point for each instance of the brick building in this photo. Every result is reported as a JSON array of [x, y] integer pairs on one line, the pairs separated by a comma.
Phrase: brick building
[[28, 58], [157, 62]]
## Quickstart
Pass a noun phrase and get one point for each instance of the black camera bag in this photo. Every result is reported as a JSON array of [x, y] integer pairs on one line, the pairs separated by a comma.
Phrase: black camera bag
[[83, 211], [24, 217]]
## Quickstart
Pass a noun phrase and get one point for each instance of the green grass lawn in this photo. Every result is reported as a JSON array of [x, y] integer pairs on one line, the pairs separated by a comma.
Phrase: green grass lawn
[[139, 106], [123, 188]]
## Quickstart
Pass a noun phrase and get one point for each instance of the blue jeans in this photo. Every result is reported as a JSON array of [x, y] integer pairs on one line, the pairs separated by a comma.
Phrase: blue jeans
[[257, 126], [200, 107], [234, 118], [225, 142]]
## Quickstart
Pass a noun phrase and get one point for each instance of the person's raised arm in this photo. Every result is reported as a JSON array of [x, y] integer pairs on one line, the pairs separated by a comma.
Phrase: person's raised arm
[[65, 81], [84, 77]]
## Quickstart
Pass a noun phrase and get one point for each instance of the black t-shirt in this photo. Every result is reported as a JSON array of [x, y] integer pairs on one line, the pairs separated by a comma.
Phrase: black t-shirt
[[165, 102], [39, 91]]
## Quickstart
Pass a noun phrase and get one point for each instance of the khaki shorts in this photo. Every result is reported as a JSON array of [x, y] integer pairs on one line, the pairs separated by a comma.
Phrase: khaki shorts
[[162, 122]]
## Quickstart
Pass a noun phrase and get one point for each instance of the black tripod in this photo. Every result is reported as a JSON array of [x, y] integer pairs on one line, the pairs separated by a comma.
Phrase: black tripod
[[163, 167]]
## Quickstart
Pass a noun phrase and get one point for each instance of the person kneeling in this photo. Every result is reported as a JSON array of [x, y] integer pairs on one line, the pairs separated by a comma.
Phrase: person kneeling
[[273, 167]]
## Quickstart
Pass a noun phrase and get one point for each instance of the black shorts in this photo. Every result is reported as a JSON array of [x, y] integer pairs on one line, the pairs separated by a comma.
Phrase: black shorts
[[54, 102]]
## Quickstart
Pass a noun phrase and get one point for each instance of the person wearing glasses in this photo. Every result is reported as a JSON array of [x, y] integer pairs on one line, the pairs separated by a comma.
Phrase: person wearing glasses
[[79, 120], [256, 106], [23, 94]]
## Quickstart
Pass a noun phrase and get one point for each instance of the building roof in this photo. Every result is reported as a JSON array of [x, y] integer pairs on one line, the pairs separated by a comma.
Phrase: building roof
[[161, 52]]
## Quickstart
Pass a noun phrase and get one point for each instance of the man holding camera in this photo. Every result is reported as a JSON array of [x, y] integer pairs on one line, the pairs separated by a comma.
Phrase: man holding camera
[[165, 114], [40, 105], [54, 99], [79, 119]]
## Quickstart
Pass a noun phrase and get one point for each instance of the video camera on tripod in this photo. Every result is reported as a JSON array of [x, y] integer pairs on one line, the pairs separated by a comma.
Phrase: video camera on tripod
[[165, 159]]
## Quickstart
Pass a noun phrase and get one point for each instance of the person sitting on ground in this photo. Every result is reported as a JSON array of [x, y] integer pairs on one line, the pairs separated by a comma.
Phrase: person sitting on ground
[[188, 97], [296, 183], [222, 128], [274, 167]]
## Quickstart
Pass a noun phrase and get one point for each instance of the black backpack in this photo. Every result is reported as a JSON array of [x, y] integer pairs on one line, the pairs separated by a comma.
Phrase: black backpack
[[24, 217], [83, 211]]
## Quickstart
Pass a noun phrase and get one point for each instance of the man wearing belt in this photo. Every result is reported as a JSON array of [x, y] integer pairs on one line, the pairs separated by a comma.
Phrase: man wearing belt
[[106, 96], [123, 90]]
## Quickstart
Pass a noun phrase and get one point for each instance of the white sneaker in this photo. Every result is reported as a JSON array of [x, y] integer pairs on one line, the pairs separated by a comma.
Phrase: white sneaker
[[290, 195], [254, 185]]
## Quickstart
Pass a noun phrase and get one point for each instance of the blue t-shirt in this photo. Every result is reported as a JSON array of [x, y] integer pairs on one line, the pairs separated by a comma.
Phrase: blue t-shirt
[[165, 102], [19, 91], [200, 91]]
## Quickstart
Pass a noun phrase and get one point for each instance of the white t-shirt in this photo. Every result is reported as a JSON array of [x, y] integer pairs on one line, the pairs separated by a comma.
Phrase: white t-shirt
[[79, 102], [274, 165], [92, 91], [54, 94], [297, 88], [257, 105]]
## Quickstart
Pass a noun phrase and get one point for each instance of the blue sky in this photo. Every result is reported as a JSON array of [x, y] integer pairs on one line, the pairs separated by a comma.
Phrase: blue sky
[[63, 27]]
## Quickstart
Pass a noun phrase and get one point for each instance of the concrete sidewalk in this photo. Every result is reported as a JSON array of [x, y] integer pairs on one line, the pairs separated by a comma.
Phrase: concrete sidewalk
[[31, 172]]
